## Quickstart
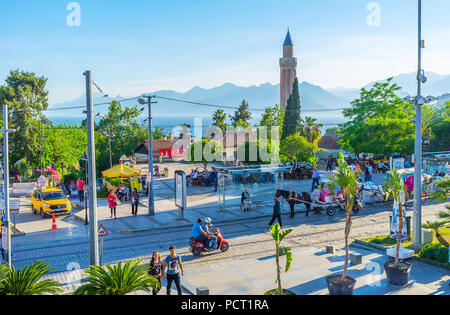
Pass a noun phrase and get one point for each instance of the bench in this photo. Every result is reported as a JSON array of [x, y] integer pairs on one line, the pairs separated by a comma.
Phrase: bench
[[257, 203]]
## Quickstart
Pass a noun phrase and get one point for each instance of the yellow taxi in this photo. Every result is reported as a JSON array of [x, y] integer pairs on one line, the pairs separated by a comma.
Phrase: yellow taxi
[[50, 200]]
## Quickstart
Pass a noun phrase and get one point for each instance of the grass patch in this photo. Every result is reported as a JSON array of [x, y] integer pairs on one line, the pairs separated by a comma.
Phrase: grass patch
[[386, 241], [435, 252]]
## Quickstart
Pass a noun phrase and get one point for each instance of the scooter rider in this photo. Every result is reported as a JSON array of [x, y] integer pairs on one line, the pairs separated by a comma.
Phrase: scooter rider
[[208, 228], [200, 234]]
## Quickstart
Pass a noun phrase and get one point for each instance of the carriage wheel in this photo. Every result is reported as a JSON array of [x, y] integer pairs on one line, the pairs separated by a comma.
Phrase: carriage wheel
[[331, 211]]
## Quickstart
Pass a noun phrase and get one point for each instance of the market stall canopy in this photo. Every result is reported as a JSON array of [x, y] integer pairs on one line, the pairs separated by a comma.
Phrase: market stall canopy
[[121, 171]]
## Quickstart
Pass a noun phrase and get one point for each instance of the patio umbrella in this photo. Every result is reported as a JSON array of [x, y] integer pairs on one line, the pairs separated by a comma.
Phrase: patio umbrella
[[121, 171]]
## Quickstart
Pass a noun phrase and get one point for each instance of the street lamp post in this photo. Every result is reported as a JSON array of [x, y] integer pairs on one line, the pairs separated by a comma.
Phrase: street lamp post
[[417, 219], [151, 195]]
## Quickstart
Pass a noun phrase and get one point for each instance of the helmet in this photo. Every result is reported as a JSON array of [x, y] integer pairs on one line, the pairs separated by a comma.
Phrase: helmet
[[207, 220]]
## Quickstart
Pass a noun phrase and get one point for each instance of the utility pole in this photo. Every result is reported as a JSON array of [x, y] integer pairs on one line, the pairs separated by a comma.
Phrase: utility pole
[[6, 131], [417, 219], [151, 195], [93, 233]]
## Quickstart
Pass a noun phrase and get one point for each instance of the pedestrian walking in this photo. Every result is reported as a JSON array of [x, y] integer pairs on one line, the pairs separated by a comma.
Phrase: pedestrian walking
[[155, 268], [112, 203], [174, 266], [80, 188], [245, 200], [329, 163], [216, 179], [134, 198], [276, 213], [315, 178]]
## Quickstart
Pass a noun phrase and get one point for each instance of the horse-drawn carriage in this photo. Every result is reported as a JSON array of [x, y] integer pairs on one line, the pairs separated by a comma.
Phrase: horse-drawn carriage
[[301, 171], [331, 204]]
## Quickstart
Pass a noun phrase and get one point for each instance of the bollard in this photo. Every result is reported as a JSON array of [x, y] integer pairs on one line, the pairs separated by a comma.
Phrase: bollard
[[330, 249], [202, 291], [355, 259]]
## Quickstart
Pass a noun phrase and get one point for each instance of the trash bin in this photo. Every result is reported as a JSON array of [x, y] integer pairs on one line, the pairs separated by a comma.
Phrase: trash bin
[[408, 226]]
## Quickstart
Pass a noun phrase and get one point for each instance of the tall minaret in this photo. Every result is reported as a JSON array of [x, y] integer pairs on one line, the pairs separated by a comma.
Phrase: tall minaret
[[288, 65]]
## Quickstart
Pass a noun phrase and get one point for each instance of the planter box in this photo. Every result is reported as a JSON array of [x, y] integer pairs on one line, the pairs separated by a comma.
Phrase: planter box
[[404, 253]]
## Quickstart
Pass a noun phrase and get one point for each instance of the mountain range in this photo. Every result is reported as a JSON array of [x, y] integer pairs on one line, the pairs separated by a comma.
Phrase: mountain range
[[313, 97]]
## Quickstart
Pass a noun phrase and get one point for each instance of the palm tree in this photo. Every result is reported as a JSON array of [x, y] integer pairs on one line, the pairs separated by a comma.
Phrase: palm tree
[[394, 188], [348, 181], [118, 280], [278, 236], [219, 118], [442, 194], [28, 281], [311, 129]]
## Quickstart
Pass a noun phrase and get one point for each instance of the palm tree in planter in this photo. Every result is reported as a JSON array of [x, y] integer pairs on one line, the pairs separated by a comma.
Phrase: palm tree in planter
[[347, 180], [118, 280], [28, 281], [442, 194], [397, 272], [278, 236]]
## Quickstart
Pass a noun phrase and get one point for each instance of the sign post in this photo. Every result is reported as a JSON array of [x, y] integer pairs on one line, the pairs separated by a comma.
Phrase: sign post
[[102, 232], [180, 192]]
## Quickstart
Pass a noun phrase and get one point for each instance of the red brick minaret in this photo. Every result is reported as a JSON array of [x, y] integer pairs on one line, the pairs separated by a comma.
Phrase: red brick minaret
[[288, 65]]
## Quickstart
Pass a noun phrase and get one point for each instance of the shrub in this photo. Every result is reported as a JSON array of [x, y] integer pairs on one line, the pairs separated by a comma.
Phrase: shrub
[[435, 251]]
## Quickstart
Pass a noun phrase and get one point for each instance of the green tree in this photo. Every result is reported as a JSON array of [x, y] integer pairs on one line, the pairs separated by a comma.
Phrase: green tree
[[255, 152], [440, 129], [242, 116], [278, 237], [297, 148], [26, 97], [348, 181], [273, 116], [292, 117], [379, 122], [118, 280], [310, 129], [29, 281], [219, 119], [205, 151], [159, 133], [126, 130]]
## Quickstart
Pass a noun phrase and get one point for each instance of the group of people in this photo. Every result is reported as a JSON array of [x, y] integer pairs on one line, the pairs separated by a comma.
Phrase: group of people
[[208, 177], [122, 191], [114, 201]]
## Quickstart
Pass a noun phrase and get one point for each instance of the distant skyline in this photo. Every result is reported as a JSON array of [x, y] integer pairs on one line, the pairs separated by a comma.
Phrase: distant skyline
[[135, 47]]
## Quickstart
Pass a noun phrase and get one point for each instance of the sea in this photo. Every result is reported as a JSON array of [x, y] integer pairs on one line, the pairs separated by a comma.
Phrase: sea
[[171, 123]]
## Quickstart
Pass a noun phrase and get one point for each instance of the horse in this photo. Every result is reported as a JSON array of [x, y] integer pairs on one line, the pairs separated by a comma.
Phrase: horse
[[294, 198]]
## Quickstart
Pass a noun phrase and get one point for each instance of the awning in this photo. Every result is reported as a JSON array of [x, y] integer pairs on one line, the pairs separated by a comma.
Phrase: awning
[[121, 171]]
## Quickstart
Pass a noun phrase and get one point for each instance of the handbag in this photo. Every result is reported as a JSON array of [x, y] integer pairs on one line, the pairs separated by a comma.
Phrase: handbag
[[118, 202]]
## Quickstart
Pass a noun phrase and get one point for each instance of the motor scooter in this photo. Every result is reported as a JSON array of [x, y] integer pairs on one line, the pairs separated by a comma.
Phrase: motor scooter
[[198, 247]]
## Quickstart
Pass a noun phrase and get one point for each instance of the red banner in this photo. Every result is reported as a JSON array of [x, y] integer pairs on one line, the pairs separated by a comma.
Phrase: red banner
[[173, 153]]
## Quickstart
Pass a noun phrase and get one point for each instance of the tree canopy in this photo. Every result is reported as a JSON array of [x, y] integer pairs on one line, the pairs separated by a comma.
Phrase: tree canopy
[[292, 117], [242, 116], [380, 122]]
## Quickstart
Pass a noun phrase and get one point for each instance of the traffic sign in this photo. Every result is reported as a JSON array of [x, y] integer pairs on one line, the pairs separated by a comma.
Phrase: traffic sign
[[102, 231], [14, 205]]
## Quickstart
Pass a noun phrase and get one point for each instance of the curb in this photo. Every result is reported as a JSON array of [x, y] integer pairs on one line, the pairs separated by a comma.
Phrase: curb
[[375, 246]]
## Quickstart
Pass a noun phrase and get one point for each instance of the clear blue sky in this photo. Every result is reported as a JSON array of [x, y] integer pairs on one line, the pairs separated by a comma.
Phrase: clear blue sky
[[135, 46]]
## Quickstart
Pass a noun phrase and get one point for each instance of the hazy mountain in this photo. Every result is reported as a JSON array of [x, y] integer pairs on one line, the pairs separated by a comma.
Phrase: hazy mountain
[[259, 97]]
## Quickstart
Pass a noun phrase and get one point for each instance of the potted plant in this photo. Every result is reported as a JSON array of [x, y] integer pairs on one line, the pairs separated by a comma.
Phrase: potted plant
[[347, 180], [278, 236], [397, 272]]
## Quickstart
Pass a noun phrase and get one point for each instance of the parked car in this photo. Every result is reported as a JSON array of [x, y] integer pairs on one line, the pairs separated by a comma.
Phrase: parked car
[[50, 200]]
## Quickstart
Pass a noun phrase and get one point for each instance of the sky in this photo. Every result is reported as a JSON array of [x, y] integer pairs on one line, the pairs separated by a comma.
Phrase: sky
[[133, 47]]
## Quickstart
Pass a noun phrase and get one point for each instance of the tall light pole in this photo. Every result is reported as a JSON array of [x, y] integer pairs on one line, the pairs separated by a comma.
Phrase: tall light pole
[[6, 131], [417, 219], [151, 195], [93, 233]]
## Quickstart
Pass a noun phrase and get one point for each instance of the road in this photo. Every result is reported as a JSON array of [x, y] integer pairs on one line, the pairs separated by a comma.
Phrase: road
[[249, 237]]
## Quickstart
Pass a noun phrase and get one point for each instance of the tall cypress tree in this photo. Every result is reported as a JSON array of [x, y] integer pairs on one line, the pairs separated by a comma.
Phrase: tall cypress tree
[[292, 116]]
